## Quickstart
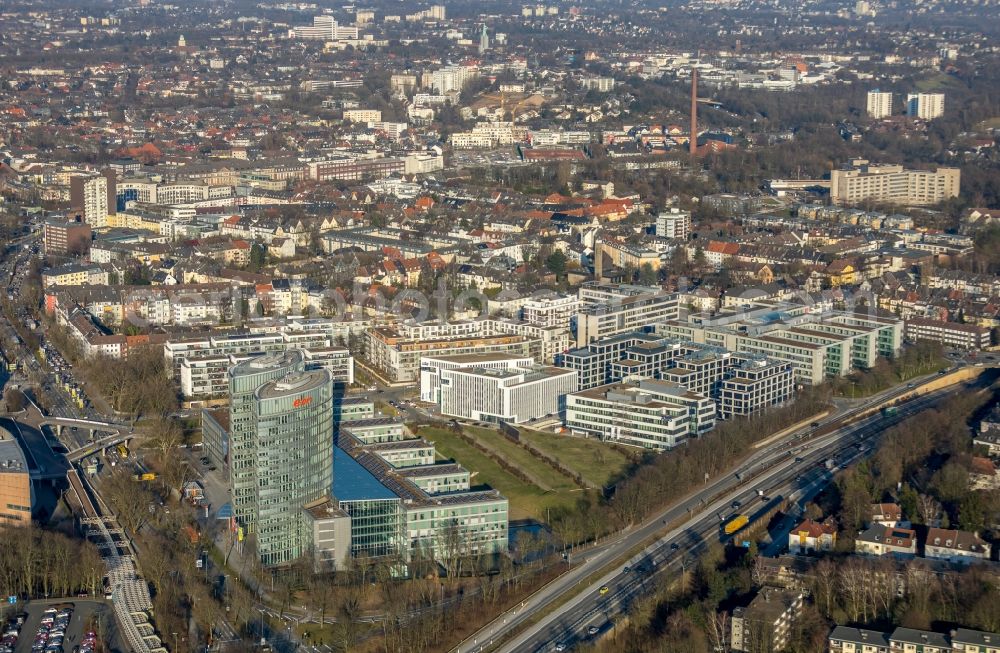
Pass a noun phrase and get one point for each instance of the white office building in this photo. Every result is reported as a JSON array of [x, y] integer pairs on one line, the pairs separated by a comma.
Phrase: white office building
[[324, 28], [649, 414], [494, 388]]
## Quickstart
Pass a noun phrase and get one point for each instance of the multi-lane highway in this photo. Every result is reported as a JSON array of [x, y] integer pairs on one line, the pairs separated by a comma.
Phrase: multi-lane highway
[[793, 468]]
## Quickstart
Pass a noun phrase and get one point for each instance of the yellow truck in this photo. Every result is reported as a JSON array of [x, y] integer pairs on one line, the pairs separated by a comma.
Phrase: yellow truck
[[735, 524]]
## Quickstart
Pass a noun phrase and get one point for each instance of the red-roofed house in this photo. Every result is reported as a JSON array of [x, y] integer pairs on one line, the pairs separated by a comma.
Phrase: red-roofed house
[[718, 252], [811, 536]]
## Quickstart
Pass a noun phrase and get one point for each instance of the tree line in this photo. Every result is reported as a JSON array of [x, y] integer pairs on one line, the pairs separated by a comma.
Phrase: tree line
[[36, 563]]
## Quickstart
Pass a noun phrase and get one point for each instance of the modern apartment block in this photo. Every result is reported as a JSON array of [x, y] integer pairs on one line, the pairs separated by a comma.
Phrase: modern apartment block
[[200, 364], [817, 344], [926, 106], [622, 315], [494, 388], [765, 624], [650, 414], [599, 292], [949, 334], [396, 352], [879, 104], [674, 224], [551, 311], [865, 182]]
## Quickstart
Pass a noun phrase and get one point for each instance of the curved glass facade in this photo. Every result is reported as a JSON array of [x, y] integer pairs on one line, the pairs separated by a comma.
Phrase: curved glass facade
[[244, 380], [294, 460]]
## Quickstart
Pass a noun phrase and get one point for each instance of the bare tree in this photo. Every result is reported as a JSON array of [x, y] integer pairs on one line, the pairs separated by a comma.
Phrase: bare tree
[[129, 500], [717, 627]]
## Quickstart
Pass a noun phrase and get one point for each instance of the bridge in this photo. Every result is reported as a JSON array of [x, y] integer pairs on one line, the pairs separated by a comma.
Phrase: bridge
[[89, 425], [100, 445]]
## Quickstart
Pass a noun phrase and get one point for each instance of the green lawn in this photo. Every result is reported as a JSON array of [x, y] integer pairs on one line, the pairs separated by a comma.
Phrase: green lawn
[[526, 500], [937, 83], [538, 470], [595, 461]]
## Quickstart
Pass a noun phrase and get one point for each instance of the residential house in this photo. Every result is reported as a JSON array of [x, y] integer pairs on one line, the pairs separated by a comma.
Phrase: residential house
[[959, 547], [844, 639], [887, 514], [881, 540], [910, 640], [812, 536]]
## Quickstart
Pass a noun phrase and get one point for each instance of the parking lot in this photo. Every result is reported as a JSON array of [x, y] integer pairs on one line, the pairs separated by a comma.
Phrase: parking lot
[[86, 615]]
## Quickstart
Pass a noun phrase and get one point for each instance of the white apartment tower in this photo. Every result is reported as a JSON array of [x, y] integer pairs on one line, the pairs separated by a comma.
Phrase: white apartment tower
[[674, 224], [926, 106], [90, 194], [879, 104]]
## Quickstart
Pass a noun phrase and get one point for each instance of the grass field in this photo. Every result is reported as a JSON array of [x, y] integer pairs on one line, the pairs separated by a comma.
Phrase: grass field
[[540, 471], [595, 461], [526, 499], [939, 82]]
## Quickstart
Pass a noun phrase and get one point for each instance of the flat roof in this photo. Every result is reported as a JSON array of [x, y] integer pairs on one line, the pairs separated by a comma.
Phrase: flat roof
[[477, 358], [12, 459], [430, 471], [293, 383]]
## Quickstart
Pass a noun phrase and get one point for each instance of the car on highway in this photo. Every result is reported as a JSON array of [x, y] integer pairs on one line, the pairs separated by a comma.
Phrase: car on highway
[[604, 590], [560, 647], [674, 546], [735, 504], [593, 630]]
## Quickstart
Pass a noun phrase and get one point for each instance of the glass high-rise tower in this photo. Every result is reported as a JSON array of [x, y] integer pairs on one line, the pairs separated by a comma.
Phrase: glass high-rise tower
[[244, 380], [294, 460]]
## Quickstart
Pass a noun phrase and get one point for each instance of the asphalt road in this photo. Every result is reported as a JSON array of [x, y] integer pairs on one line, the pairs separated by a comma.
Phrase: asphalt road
[[781, 468], [798, 482]]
